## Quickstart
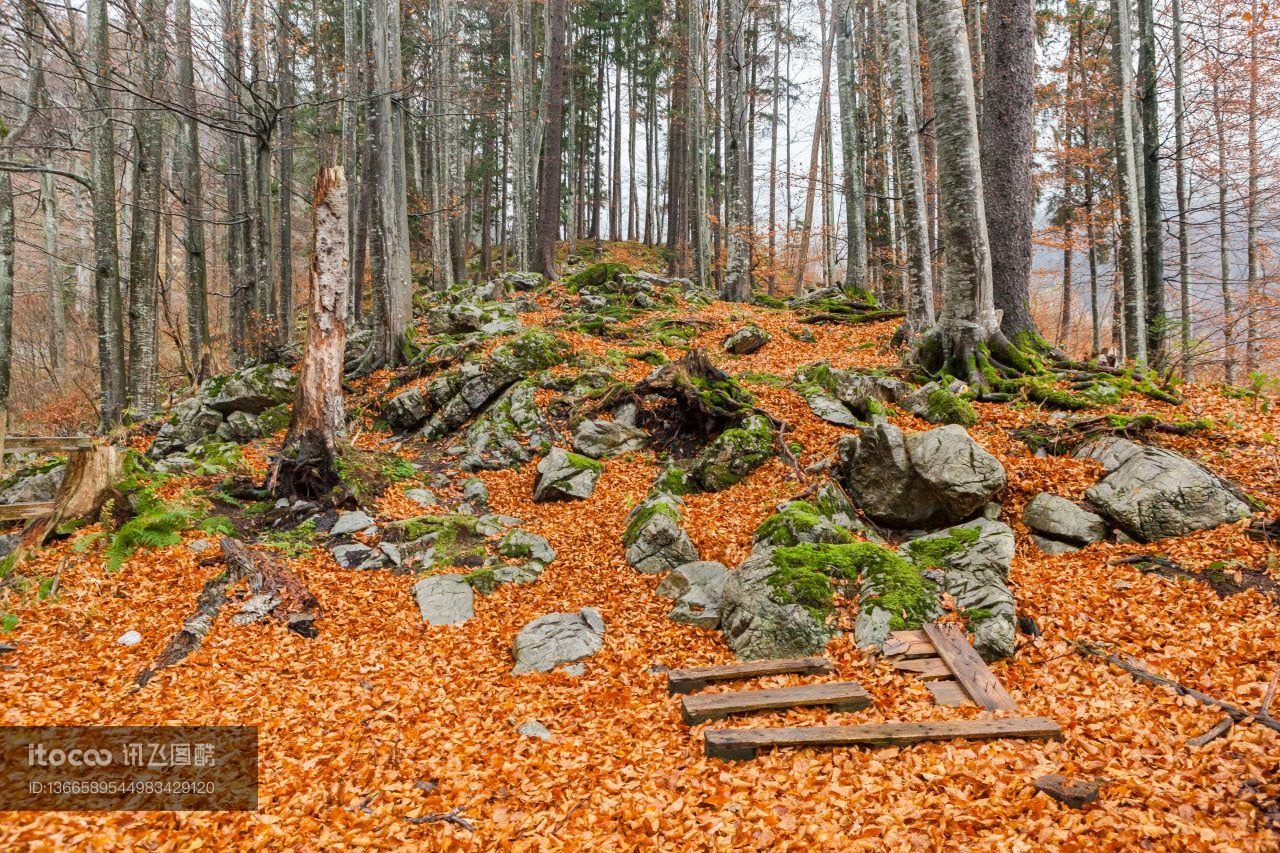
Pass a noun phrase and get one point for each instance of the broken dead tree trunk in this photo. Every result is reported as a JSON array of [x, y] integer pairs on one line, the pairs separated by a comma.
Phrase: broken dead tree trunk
[[305, 466], [1142, 674], [292, 602], [90, 481]]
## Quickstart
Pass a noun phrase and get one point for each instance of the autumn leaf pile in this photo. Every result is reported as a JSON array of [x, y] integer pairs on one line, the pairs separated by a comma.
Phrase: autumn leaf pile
[[382, 718]]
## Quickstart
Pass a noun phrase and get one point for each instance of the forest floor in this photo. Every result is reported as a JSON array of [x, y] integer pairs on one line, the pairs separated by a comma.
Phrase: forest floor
[[382, 718]]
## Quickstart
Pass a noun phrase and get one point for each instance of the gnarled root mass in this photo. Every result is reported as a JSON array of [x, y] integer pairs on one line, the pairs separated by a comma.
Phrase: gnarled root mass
[[306, 468]]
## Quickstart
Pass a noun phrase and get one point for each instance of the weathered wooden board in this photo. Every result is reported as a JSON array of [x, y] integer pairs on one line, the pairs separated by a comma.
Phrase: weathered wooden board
[[949, 693], [844, 696], [969, 669], [693, 680], [743, 744], [19, 512], [926, 669], [46, 443]]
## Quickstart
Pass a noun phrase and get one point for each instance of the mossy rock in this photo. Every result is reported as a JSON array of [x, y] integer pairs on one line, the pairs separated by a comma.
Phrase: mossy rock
[[734, 454], [595, 276], [944, 407], [797, 522]]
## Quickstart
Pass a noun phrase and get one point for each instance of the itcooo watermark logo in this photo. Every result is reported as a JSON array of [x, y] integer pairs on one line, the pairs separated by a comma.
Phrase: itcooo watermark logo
[[126, 768]]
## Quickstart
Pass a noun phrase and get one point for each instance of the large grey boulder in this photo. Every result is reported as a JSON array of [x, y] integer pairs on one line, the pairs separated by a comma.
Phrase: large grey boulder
[[351, 521], [189, 422], [565, 476], [557, 638], [1154, 493], [407, 410], [733, 454], [974, 558], [239, 427], [926, 479], [251, 389], [600, 438], [444, 599], [757, 622], [34, 488], [521, 544], [747, 340], [653, 539], [697, 589], [1055, 517], [508, 433]]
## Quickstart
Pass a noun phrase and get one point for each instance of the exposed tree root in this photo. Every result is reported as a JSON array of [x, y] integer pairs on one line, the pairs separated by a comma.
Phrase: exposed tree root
[[689, 400], [305, 468], [1064, 436]]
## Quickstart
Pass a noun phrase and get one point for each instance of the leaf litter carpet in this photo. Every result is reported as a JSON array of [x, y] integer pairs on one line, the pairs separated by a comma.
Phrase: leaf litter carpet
[[381, 718]]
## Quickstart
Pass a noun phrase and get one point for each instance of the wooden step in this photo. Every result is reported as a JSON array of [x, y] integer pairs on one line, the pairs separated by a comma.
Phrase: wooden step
[[693, 680], [970, 670], [19, 444], [844, 696], [743, 744], [19, 512], [896, 649], [948, 692], [926, 669]]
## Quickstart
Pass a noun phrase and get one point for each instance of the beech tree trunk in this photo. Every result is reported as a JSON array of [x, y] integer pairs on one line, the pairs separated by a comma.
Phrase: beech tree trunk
[[190, 186], [919, 289], [106, 247], [1130, 214], [553, 133], [737, 278], [967, 331], [1153, 211], [1180, 180], [305, 468], [848, 67], [1008, 125]]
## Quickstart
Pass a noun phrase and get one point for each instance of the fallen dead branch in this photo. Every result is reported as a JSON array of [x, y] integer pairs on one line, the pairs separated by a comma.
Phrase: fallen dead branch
[[453, 816], [288, 599], [1140, 673], [1219, 729], [1225, 581]]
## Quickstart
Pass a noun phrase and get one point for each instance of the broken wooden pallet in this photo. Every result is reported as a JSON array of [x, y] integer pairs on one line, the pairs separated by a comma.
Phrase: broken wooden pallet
[[843, 696], [696, 678], [744, 744], [969, 669], [914, 652]]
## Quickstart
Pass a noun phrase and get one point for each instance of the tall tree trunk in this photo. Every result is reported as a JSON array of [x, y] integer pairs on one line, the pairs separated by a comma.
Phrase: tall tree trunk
[[1153, 213], [553, 133], [144, 230], [806, 224], [1180, 179], [284, 171], [106, 248], [305, 467], [1253, 252], [6, 285], [1130, 214], [352, 89], [1008, 125], [699, 226], [678, 148], [848, 67], [187, 168], [395, 285], [737, 279], [240, 269], [521, 56], [53, 275], [615, 147], [1224, 244], [919, 292], [968, 329]]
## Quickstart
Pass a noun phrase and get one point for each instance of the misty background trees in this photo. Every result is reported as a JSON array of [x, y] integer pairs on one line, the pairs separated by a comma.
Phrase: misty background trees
[[1112, 192]]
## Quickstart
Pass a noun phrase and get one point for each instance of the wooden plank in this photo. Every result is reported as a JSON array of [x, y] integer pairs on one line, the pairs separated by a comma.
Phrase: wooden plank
[[15, 444], [845, 696], [949, 693], [910, 636], [926, 669], [19, 512], [908, 651], [970, 670], [694, 679], [743, 744]]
